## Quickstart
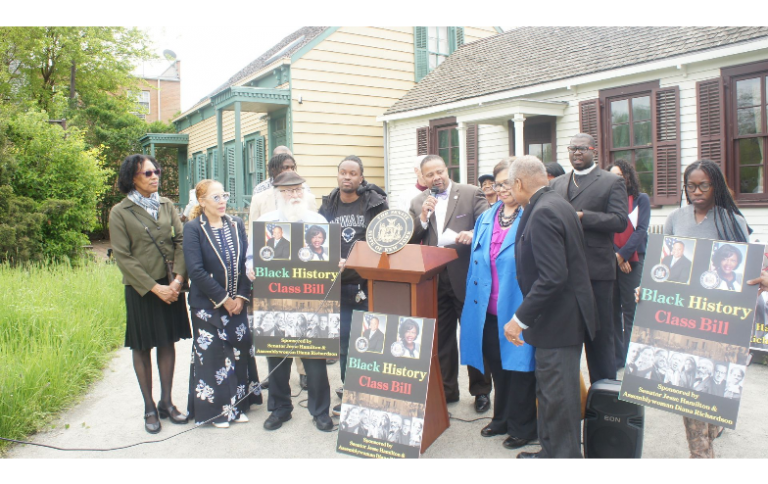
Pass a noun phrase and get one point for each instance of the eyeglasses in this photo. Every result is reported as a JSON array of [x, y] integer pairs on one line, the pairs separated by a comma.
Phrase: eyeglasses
[[292, 190], [219, 197], [704, 187], [149, 173], [582, 149], [501, 186]]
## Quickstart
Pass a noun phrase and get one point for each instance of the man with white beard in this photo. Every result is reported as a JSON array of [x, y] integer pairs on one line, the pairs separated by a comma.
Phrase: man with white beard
[[293, 207]]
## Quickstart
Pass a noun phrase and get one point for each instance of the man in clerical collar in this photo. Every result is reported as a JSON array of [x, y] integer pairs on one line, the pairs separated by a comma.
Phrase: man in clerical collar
[[600, 200]]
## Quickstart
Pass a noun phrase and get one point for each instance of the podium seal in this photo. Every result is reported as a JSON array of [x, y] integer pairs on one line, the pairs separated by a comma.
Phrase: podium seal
[[660, 273], [361, 344], [267, 253], [389, 231]]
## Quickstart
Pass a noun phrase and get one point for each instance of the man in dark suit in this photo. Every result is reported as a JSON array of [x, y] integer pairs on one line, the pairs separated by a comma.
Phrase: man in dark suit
[[374, 336], [600, 200], [282, 247], [456, 207], [679, 265], [557, 308]]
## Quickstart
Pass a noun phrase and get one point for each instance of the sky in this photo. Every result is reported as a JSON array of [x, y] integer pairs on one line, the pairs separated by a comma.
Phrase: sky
[[212, 54]]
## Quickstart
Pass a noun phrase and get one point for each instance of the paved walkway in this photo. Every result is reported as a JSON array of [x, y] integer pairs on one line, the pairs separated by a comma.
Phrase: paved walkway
[[110, 415]]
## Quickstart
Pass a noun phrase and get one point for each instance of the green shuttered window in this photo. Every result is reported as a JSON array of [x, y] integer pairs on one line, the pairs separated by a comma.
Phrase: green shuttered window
[[432, 45]]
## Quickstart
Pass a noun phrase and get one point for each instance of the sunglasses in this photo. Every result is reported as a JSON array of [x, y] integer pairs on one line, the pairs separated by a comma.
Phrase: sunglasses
[[149, 173]]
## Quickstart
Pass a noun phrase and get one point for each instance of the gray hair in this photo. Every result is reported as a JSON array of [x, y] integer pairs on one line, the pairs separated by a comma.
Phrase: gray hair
[[528, 168]]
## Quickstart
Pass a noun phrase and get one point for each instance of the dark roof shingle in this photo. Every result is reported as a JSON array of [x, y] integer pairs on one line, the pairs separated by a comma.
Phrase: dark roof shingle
[[533, 55]]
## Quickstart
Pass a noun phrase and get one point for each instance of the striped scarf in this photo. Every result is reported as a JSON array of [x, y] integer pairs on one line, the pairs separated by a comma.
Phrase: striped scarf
[[151, 204]]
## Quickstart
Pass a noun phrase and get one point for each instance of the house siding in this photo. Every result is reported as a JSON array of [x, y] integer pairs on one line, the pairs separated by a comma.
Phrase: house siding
[[493, 142], [344, 83]]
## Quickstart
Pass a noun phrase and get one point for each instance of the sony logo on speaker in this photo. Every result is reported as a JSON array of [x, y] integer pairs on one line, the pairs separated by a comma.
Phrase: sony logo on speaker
[[611, 418]]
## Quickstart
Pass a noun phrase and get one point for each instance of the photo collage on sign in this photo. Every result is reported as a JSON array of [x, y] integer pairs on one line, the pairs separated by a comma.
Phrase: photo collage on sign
[[725, 267], [382, 418], [686, 362], [295, 318]]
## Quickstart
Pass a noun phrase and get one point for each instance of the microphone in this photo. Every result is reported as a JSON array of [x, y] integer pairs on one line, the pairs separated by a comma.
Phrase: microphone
[[433, 193]]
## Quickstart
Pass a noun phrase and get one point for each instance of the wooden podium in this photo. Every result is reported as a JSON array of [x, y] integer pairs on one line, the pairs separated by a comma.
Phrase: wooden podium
[[404, 283]]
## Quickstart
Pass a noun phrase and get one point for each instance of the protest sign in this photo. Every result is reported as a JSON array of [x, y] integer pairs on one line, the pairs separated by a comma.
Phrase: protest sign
[[385, 393], [295, 296], [693, 325]]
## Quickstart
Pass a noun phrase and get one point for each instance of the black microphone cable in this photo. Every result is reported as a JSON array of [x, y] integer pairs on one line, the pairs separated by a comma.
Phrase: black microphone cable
[[257, 387]]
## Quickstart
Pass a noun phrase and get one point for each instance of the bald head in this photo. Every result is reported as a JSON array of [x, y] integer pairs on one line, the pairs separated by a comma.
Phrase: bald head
[[281, 149], [526, 175]]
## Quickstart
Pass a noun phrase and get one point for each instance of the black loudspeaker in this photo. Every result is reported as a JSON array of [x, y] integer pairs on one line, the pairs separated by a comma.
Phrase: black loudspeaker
[[612, 429]]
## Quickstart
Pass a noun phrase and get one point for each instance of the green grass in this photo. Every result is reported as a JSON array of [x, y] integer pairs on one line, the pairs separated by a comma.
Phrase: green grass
[[58, 326]]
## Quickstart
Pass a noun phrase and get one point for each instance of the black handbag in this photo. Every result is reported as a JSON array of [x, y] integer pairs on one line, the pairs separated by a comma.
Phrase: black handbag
[[168, 263]]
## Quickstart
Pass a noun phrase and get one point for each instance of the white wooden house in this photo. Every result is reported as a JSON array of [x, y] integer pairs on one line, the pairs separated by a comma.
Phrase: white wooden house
[[660, 97]]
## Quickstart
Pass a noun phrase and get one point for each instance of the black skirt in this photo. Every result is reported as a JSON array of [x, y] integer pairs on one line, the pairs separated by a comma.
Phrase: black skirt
[[151, 323]]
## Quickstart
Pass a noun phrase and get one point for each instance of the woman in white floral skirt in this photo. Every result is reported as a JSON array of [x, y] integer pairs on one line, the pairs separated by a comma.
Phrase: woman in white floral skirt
[[223, 368]]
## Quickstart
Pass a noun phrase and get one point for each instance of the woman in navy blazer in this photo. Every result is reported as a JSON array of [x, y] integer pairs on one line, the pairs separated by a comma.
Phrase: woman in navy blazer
[[223, 368], [493, 296]]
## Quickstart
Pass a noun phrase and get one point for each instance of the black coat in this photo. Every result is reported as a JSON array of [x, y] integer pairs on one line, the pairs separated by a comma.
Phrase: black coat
[[681, 271], [603, 199], [558, 304], [282, 248], [205, 263]]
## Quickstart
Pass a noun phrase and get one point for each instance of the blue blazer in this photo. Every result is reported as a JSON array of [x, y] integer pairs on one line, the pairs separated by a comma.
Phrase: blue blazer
[[479, 294], [206, 267]]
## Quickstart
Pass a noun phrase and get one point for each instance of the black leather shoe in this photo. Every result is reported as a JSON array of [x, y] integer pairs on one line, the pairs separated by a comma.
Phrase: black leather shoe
[[489, 431], [336, 411], [482, 403], [529, 455], [174, 415], [323, 422], [275, 421], [303, 382], [512, 442], [151, 428]]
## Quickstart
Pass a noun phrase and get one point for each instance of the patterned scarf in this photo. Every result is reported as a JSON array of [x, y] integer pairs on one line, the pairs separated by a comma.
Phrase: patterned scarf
[[151, 204]]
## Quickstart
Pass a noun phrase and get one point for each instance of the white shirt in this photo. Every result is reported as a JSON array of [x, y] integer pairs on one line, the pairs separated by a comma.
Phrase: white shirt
[[585, 170], [674, 260], [192, 203], [440, 210]]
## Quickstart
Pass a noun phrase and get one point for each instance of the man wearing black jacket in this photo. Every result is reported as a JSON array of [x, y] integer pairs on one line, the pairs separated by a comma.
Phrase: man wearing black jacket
[[558, 305], [600, 201], [353, 205]]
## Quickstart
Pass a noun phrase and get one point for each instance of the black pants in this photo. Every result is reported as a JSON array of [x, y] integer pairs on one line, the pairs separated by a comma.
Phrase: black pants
[[558, 390], [624, 306], [601, 352], [514, 401], [448, 313], [319, 391]]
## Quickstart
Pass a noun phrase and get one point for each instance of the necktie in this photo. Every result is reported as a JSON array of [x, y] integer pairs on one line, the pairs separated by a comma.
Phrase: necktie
[[442, 196]]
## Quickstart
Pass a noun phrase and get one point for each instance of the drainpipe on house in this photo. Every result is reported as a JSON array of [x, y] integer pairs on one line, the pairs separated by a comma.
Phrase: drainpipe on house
[[159, 118], [386, 159]]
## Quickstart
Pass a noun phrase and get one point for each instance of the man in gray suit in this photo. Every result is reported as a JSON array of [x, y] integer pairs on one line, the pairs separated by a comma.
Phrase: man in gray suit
[[456, 207], [600, 201]]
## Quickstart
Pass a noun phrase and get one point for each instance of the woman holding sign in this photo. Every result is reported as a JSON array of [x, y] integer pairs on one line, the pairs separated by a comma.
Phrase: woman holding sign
[[223, 368], [490, 302], [711, 213]]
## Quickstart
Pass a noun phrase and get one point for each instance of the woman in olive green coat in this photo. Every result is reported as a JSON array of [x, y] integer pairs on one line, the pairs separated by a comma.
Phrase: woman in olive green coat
[[145, 232]]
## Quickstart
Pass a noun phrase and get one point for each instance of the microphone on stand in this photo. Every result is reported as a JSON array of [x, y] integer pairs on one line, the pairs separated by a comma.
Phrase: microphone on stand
[[433, 193]]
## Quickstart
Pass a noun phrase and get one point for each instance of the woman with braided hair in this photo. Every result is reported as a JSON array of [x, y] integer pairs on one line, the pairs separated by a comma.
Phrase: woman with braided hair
[[711, 213]]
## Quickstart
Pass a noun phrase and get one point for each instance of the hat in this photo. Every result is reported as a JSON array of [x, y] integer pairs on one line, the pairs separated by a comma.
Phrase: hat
[[288, 178], [483, 178]]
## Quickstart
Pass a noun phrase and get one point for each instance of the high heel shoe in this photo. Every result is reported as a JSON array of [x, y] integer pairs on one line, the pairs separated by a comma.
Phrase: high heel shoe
[[151, 428], [172, 413]]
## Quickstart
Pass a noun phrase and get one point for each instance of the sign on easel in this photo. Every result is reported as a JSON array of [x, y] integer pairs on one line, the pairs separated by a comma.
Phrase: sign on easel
[[689, 346], [385, 393]]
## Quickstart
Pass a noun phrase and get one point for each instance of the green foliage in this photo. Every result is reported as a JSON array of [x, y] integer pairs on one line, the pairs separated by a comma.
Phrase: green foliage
[[57, 171], [57, 329]]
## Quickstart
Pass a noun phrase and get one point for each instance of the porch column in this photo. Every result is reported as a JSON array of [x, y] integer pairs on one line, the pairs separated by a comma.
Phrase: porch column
[[152, 150], [239, 171], [220, 144], [519, 121], [183, 169], [462, 152]]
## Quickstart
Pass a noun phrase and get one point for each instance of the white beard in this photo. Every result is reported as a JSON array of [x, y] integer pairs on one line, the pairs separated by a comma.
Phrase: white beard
[[293, 211]]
